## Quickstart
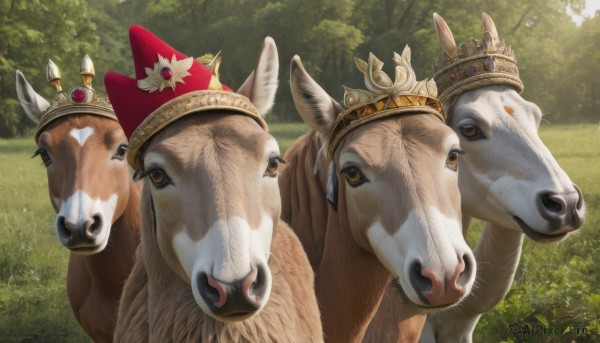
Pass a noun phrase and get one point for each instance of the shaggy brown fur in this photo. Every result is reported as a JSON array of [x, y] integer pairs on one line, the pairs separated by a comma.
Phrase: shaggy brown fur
[[158, 306]]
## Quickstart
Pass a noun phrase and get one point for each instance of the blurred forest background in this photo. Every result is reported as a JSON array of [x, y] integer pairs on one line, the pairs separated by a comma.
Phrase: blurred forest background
[[559, 61]]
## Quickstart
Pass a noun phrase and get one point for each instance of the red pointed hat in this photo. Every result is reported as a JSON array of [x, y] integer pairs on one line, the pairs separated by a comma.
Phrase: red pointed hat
[[167, 86]]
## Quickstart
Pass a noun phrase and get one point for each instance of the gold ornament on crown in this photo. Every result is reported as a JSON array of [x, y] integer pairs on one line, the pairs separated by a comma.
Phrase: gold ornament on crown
[[484, 62], [81, 99], [384, 97]]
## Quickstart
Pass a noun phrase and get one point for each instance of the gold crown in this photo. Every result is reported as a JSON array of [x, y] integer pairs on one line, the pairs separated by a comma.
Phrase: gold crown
[[383, 97], [81, 99], [488, 61]]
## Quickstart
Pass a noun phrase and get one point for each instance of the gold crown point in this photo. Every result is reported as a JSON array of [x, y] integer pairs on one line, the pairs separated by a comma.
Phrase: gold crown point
[[53, 76], [382, 97], [213, 63], [87, 71]]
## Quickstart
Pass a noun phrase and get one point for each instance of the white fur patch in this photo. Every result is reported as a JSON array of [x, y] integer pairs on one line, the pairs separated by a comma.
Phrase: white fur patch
[[227, 252], [430, 238], [81, 135], [228, 249], [80, 207]]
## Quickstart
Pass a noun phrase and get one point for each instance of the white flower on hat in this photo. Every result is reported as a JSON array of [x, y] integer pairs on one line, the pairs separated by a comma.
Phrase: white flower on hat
[[165, 74]]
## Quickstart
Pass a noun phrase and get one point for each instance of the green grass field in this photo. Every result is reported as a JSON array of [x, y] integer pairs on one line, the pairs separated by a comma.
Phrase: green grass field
[[556, 285]]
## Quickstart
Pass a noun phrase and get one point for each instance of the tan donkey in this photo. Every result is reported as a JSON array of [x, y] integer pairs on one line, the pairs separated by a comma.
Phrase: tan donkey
[[83, 148], [216, 263], [387, 165]]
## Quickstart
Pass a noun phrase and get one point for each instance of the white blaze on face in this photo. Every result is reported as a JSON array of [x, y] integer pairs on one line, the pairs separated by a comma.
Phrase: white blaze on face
[[227, 252], [81, 135], [430, 238], [80, 208]]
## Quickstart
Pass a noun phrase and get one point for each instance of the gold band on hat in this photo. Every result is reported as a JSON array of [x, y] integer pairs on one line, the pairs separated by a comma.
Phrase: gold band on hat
[[181, 106]]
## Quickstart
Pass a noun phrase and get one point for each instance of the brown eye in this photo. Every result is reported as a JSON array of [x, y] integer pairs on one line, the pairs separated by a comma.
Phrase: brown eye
[[44, 155], [469, 130], [159, 177], [453, 157], [472, 132], [120, 153], [273, 166], [354, 176]]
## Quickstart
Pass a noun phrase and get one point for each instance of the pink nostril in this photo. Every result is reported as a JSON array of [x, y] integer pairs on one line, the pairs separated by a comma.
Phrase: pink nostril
[[221, 289], [435, 294]]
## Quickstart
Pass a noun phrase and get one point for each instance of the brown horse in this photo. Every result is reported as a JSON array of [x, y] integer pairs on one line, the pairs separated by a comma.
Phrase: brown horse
[[395, 210], [215, 263], [83, 148]]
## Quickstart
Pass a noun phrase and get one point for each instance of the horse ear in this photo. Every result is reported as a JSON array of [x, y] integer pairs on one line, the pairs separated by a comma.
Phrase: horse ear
[[260, 87], [444, 34], [489, 28], [315, 106], [33, 103]]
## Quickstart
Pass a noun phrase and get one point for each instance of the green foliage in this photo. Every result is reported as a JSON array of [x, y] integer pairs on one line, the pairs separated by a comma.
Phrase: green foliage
[[555, 57], [33, 299]]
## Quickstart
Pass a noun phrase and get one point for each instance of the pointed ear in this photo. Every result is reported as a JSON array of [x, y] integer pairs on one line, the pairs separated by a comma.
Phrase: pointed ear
[[444, 34], [314, 105], [33, 103], [489, 26], [260, 87]]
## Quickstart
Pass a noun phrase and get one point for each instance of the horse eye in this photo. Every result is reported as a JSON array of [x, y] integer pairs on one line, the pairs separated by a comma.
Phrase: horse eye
[[354, 176], [472, 132], [159, 177], [273, 166], [120, 153], [453, 157], [44, 155]]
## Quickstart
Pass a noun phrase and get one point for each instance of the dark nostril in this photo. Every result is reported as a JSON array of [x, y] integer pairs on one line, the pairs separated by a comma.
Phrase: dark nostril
[[419, 282], [465, 275], [62, 228], [209, 293], [258, 287], [96, 224], [553, 203]]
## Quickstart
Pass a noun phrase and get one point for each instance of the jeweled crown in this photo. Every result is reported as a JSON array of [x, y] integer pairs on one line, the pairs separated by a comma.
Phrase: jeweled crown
[[81, 99], [383, 97], [484, 62]]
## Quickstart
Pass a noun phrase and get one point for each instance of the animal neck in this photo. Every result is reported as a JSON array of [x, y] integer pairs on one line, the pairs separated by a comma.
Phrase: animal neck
[[350, 282], [497, 255], [303, 195], [110, 267]]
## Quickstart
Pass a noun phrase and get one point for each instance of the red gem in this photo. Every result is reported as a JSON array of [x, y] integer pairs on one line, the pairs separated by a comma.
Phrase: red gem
[[471, 70], [453, 76], [166, 73], [78, 95]]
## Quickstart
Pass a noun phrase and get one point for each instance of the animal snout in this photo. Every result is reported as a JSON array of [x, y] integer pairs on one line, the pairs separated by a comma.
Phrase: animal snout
[[436, 288], [236, 299], [73, 235], [564, 211]]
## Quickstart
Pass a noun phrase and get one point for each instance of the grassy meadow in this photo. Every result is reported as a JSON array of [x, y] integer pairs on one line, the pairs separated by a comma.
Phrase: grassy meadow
[[557, 285]]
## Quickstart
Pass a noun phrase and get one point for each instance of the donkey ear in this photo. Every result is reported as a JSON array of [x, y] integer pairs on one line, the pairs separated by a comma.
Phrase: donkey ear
[[33, 103], [444, 34], [314, 105], [489, 30], [260, 87]]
